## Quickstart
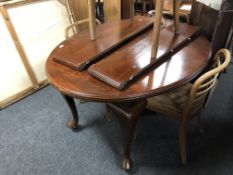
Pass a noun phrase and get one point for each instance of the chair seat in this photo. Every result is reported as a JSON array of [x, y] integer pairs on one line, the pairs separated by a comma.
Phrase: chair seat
[[172, 102], [186, 102]]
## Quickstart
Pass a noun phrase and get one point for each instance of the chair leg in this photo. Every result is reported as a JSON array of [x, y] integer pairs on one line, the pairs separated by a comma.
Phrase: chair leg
[[130, 135], [108, 114], [200, 124], [182, 142]]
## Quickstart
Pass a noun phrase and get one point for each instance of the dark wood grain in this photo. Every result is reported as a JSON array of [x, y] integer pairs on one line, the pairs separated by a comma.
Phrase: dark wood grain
[[183, 67], [79, 52], [218, 28], [125, 13], [73, 122], [223, 26], [201, 15], [130, 113], [120, 68]]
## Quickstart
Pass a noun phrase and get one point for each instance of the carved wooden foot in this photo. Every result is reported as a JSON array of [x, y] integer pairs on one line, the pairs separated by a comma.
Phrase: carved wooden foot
[[126, 163], [72, 123], [130, 113]]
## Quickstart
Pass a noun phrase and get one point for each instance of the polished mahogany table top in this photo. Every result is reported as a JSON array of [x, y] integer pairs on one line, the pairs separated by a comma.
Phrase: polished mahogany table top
[[182, 68]]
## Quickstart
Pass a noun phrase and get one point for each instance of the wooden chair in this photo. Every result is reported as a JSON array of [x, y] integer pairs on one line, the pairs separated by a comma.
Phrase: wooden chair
[[185, 13], [75, 25], [186, 102]]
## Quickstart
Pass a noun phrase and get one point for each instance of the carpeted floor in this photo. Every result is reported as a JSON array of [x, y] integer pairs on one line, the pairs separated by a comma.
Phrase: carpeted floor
[[34, 139]]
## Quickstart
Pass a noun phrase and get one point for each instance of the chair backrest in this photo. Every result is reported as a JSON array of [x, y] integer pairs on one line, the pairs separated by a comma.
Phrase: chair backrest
[[75, 25], [202, 86]]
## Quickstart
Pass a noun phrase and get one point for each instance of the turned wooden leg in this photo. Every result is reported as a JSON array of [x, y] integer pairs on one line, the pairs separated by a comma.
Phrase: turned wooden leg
[[73, 122], [130, 135], [182, 141], [200, 124], [144, 6]]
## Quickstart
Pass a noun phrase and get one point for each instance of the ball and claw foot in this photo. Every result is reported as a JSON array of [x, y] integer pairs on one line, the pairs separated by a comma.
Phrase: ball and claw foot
[[72, 124], [126, 164]]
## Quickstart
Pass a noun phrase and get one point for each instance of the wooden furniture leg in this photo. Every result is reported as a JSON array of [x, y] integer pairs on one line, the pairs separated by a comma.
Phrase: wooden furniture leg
[[182, 141], [132, 10], [73, 122], [130, 133], [92, 23], [156, 28], [176, 7], [130, 112], [144, 6]]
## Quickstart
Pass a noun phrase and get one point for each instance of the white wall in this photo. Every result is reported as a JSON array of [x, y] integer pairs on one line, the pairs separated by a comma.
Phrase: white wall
[[13, 77], [40, 27]]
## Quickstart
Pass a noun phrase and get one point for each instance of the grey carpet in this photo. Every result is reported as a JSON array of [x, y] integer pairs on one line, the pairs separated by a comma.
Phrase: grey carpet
[[34, 139]]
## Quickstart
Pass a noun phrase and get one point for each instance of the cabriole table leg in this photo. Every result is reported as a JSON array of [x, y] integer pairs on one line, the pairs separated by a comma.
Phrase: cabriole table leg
[[127, 162], [73, 122]]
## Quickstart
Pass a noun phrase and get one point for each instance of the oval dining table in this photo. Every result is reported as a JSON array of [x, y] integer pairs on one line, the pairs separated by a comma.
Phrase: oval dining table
[[183, 67]]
